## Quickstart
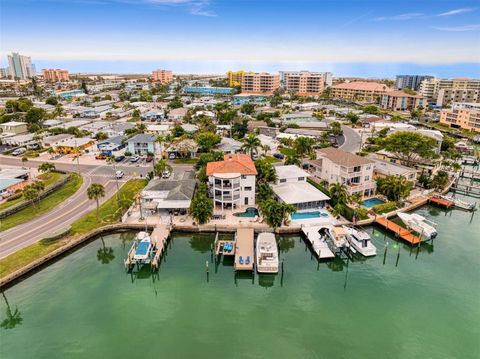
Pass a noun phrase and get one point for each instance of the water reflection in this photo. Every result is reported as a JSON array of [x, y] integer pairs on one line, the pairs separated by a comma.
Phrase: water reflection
[[13, 318], [105, 254], [285, 243], [266, 280]]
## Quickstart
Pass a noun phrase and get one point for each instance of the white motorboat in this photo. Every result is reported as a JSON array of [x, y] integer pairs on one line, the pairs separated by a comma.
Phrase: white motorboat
[[419, 224], [361, 241], [267, 253], [143, 246], [460, 203], [336, 238]]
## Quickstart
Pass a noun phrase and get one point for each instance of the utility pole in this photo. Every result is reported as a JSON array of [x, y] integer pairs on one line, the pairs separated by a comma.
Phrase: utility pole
[[78, 155]]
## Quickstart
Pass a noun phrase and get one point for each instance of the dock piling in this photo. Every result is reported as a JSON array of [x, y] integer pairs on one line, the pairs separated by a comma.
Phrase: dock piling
[[385, 253]]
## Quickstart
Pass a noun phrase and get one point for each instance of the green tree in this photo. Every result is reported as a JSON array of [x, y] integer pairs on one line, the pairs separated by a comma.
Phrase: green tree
[[352, 118], [35, 116], [370, 109], [265, 171], [251, 144], [293, 160], [162, 166], [96, 191], [51, 100], [440, 180], [303, 146], [394, 188], [30, 193], [408, 146], [175, 103], [201, 207], [335, 129], [338, 193], [275, 213], [101, 136], [46, 167], [207, 140], [247, 108]]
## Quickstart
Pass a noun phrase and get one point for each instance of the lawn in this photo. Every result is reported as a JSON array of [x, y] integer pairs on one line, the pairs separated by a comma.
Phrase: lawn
[[46, 178], [109, 212], [27, 255], [185, 161], [287, 151], [46, 204]]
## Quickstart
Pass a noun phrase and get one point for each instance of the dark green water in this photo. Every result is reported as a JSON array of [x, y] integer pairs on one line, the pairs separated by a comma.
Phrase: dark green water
[[426, 307]]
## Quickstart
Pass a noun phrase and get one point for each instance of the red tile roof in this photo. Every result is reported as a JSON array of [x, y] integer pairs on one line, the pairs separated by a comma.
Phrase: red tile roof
[[233, 163], [363, 86]]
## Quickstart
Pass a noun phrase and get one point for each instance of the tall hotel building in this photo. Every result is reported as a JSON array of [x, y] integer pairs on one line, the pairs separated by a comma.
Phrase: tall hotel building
[[162, 76], [20, 67], [235, 78], [260, 83]]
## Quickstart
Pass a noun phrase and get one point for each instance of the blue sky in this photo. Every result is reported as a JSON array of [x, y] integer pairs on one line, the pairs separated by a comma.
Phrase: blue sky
[[348, 37]]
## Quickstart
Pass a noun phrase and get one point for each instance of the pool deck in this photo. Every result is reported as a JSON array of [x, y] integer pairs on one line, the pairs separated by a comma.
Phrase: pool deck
[[244, 248]]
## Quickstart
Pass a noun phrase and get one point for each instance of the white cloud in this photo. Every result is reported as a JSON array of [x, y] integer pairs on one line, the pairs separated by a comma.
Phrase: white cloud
[[462, 28], [456, 12], [407, 16]]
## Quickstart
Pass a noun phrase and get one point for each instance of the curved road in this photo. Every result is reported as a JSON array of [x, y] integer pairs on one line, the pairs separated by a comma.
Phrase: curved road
[[352, 140]]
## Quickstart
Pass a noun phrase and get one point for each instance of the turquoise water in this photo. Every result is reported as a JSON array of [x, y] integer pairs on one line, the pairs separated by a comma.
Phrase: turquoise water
[[369, 203], [308, 215], [424, 306], [249, 213]]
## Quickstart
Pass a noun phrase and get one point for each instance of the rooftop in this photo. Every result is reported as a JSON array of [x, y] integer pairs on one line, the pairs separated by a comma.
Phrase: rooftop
[[364, 86], [290, 171], [342, 158], [233, 163], [298, 192], [141, 138]]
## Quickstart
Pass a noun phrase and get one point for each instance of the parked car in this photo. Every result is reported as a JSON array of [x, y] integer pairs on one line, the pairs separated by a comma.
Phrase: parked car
[[172, 156], [166, 174], [119, 174], [149, 158], [134, 158], [280, 156], [100, 156], [119, 158], [19, 151]]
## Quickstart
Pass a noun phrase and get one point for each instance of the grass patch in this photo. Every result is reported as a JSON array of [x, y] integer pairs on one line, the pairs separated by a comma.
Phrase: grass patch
[[287, 151], [46, 204], [47, 178], [109, 212], [185, 161], [27, 255]]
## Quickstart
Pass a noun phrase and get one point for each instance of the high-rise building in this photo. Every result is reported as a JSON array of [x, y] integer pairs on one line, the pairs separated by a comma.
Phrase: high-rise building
[[445, 91], [54, 75], [235, 78], [162, 76], [20, 67], [410, 81], [260, 83], [4, 72], [303, 83]]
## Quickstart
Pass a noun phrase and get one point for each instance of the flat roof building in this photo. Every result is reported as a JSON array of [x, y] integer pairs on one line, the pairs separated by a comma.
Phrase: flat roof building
[[260, 83], [55, 75], [360, 91], [162, 76]]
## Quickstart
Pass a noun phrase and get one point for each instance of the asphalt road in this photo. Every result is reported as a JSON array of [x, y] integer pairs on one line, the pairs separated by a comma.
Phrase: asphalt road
[[352, 140], [73, 208]]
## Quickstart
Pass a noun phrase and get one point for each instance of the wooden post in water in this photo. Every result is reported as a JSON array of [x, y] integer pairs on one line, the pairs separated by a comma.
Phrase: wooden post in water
[[385, 253], [398, 256]]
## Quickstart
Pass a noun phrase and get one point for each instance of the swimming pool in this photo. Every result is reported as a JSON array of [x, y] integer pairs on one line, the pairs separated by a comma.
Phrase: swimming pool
[[369, 203], [308, 215], [249, 212]]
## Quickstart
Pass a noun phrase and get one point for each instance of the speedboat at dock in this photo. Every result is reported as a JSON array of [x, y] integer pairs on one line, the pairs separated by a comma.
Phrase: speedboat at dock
[[419, 224], [361, 241], [267, 253]]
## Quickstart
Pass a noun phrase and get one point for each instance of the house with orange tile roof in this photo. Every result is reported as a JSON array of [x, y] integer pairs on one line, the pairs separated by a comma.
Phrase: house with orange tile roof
[[360, 91], [231, 182]]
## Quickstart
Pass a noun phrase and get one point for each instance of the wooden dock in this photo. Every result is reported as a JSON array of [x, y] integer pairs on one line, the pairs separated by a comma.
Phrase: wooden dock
[[442, 202], [401, 232], [159, 236], [319, 247], [244, 256]]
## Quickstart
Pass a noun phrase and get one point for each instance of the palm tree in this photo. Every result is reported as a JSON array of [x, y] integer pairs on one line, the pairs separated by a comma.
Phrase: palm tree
[[303, 146], [24, 160], [338, 193], [265, 149], [46, 167], [293, 160], [162, 166], [251, 143], [356, 198], [96, 191], [336, 129], [13, 318]]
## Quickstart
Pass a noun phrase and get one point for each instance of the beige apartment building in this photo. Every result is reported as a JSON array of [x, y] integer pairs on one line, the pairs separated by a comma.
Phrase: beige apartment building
[[162, 76], [235, 78], [54, 75], [460, 116], [260, 83], [304, 83], [360, 91], [444, 91]]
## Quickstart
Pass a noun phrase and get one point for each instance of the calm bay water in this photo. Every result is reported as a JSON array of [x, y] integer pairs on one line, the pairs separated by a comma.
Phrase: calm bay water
[[426, 307]]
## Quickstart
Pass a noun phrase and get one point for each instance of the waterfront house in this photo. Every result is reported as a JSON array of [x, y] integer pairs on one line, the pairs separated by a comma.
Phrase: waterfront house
[[292, 188], [141, 144], [382, 168], [231, 182], [337, 166]]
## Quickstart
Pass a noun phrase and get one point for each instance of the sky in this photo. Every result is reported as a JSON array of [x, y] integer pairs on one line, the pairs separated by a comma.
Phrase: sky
[[370, 38]]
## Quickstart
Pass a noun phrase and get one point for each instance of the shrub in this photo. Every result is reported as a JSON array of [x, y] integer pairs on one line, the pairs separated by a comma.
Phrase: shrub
[[385, 207], [15, 196]]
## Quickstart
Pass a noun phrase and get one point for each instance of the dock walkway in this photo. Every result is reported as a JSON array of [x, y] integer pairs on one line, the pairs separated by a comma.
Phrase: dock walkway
[[403, 233], [319, 247], [441, 202], [159, 236], [244, 256]]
